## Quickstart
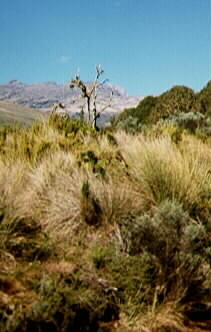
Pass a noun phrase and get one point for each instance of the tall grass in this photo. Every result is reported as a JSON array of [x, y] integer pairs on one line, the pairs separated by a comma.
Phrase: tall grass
[[54, 196], [13, 178], [31, 144], [164, 171]]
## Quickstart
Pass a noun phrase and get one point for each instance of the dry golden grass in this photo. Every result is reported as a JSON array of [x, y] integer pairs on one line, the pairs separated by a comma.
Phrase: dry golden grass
[[51, 194], [196, 149], [165, 171], [13, 177], [54, 196], [31, 144], [167, 318]]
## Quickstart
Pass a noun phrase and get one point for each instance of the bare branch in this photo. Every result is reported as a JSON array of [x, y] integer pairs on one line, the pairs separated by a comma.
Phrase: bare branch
[[58, 106], [91, 94]]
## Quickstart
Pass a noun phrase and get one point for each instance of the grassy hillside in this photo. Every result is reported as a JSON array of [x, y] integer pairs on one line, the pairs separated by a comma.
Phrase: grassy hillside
[[10, 113], [103, 231]]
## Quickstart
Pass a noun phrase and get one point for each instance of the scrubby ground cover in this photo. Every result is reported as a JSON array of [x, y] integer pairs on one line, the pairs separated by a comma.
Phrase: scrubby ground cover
[[104, 231]]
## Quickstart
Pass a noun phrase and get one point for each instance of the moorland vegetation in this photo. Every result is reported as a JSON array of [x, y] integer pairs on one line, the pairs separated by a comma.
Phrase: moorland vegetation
[[108, 230]]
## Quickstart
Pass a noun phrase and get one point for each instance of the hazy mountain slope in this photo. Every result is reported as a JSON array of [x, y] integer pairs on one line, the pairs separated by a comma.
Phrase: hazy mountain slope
[[11, 113], [45, 95]]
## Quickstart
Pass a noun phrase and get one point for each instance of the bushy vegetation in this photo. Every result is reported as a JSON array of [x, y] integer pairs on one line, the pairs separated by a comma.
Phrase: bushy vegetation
[[105, 231], [180, 106]]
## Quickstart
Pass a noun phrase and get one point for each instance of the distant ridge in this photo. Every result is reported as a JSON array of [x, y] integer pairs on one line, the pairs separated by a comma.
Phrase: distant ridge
[[44, 95]]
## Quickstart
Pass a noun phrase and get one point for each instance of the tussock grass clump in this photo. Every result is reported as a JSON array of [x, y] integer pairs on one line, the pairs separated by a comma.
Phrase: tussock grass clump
[[163, 171], [63, 197], [53, 192], [12, 179], [20, 236]]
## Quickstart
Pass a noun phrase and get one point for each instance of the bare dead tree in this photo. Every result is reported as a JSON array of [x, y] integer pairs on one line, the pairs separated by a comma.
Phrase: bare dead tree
[[90, 95]]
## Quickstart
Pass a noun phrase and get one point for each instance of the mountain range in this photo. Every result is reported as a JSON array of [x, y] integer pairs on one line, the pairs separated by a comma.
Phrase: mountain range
[[43, 96]]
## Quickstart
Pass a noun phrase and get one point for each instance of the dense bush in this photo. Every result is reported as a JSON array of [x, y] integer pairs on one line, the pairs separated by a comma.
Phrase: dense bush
[[141, 112], [179, 106], [203, 103]]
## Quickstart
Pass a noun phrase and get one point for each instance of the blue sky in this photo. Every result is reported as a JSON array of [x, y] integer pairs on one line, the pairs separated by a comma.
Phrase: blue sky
[[145, 46]]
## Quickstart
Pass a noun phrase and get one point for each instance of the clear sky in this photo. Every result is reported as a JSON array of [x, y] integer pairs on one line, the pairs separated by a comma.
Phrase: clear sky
[[145, 46]]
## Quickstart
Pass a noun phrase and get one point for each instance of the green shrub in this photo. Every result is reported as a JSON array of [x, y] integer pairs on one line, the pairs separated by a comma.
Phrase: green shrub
[[91, 211], [178, 247], [71, 305], [141, 113], [190, 120], [130, 125], [102, 256]]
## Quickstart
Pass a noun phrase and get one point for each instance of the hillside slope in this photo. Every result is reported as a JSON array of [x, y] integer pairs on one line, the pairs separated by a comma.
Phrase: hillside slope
[[10, 113]]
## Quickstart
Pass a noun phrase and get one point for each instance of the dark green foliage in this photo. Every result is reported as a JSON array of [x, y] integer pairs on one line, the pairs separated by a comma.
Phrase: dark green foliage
[[172, 104], [85, 190], [176, 100], [89, 157], [102, 256], [91, 211], [203, 103], [141, 112], [60, 308], [152, 109]]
